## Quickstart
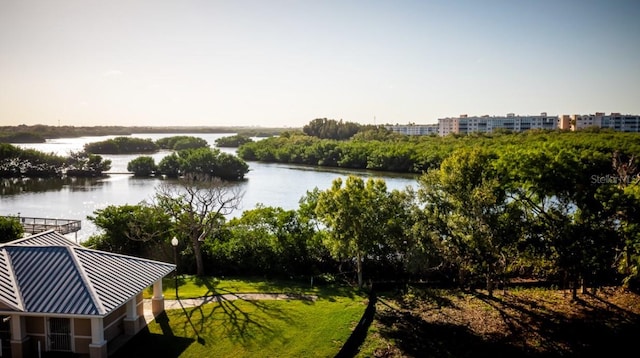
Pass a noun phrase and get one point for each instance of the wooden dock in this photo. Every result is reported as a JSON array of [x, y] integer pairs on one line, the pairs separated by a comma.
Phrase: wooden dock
[[37, 225]]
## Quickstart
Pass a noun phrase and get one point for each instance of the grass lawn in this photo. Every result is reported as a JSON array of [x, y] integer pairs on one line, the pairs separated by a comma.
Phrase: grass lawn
[[193, 286], [419, 322], [292, 328]]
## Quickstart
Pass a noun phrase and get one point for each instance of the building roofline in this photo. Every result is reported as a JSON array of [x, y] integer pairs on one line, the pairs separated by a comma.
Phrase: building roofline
[[103, 294]]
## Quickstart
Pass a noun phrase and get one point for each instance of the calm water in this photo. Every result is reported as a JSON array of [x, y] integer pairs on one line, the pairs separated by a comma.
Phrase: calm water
[[278, 185]]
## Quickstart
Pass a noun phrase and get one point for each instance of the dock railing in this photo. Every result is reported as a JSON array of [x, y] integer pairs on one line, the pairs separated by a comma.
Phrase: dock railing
[[36, 225]]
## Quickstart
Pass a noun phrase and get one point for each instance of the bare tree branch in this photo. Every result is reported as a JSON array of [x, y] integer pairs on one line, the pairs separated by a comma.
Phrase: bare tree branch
[[197, 206]]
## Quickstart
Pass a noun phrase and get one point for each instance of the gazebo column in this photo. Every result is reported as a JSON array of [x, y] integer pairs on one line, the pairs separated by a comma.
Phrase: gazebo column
[[157, 302], [132, 320], [98, 346], [19, 338]]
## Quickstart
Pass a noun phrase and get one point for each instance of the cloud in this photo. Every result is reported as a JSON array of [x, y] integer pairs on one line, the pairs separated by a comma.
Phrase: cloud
[[112, 73]]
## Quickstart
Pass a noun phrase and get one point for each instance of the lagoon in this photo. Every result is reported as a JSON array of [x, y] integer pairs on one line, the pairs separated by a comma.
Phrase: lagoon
[[269, 184]]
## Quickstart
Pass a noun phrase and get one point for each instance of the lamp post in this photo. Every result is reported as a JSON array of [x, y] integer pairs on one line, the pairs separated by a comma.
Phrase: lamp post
[[174, 243]]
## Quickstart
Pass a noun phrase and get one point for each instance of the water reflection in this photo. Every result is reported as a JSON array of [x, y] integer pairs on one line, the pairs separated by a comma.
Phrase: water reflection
[[16, 186]]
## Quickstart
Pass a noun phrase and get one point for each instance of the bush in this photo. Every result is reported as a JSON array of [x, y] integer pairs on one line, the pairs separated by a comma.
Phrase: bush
[[212, 163], [10, 229], [233, 141], [142, 166], [122, 145], [181, 143], [170, 166]]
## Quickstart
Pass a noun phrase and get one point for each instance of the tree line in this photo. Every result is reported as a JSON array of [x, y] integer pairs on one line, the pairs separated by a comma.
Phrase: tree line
[[382, 150], [555, 207], [16, 162], [39, 133], [191, 156], [133, 145]]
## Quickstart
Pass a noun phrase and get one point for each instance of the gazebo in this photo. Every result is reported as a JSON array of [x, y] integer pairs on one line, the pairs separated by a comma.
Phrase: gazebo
[[56, 295]]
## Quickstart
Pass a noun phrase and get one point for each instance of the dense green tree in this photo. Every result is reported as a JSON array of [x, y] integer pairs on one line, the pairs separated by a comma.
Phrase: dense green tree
[[398, 158], [629, 214], [417, 154], [10, 229], [355, 155], [142, 166], [421, 256], [233, 141], [569, 213], [378, 134], [139, 230], [230, 167], [207, 162], [358, 216], [122, 145], [475, 226], [170, 165], [626, 201], [181, 143], [269, 241]]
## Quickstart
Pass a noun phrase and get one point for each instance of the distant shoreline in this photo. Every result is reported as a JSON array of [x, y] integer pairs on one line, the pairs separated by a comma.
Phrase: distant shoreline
[[38, 133]]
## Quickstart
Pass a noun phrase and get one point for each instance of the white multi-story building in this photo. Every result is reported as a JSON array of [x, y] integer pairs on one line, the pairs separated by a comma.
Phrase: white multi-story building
[[615, 121], [485, 124], [621, 122], [576, 122], [414, 129]]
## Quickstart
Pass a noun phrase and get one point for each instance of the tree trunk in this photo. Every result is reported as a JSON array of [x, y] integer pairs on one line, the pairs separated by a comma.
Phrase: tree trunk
[[359, 269], [489, 285], [627, 258], [461, 278], [197, 252]]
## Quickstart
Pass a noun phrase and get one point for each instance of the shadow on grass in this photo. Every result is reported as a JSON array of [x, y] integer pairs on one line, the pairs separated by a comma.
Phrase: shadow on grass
[[210, 283], [596, 328], [199, 339], [294, 288], [531, 327], [218, 319], [147, 344], [237, 321], [227, 315], [352, 346], [221, 311]]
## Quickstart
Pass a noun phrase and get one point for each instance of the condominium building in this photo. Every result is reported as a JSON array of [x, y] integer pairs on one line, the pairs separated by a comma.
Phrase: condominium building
[[576, 122], [621, 122], [615, 121], [485, 124], [414, 129], [465, 124]]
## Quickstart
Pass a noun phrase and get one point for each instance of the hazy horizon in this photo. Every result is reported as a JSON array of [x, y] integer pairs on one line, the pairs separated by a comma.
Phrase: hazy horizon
[[283, 63]]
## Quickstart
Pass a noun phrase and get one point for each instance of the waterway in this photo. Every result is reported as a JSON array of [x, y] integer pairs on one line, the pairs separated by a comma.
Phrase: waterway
[[269, 184]]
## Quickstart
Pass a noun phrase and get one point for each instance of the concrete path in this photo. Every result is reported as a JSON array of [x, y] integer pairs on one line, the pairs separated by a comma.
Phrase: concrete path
[[196, 302]]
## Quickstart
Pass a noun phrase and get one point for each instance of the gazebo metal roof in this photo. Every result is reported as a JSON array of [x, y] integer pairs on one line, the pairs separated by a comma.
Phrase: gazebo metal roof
[[49, 274]]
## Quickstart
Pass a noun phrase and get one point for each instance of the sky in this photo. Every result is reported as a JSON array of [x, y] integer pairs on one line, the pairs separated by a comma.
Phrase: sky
[[283, 63]]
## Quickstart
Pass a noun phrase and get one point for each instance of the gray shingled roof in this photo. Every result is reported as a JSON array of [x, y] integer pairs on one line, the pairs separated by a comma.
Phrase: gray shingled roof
[[50, 274]]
